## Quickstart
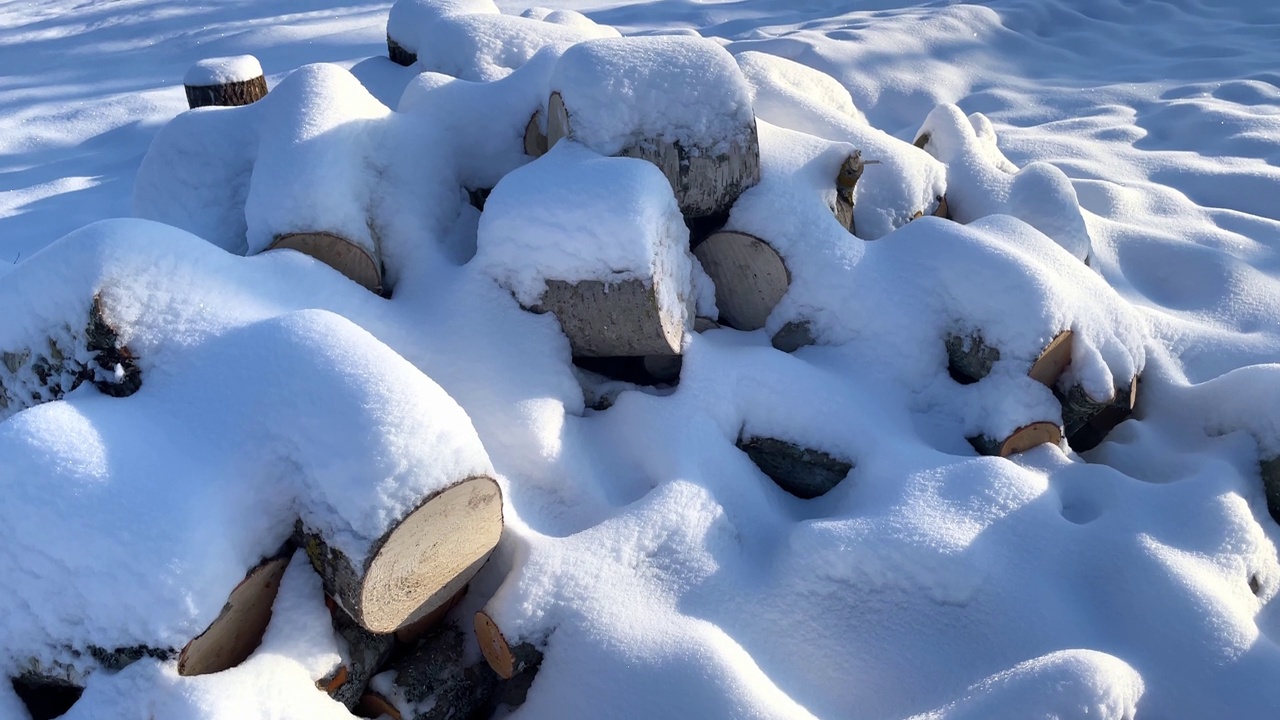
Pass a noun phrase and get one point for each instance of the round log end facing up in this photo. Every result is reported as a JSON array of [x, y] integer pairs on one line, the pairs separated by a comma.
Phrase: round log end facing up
[[338, 253], [749, 276], [229, 94], [1053, 360], [431, 555], [399, 55], [239, 628], [1029, 436]]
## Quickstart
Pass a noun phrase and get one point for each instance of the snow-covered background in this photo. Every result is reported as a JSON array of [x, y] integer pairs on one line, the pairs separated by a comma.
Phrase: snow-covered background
[[677, 579]]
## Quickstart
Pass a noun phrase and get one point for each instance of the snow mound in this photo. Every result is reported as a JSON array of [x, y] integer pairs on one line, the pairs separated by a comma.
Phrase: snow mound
[[573, 215], [981, 181], [219, 71], [623, 91], [787, 93]]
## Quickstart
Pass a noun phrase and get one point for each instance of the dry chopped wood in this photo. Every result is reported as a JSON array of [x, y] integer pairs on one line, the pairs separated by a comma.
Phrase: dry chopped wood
[[238, 629], [358, 261], [1021, 440], [749, 275], [614, 319]]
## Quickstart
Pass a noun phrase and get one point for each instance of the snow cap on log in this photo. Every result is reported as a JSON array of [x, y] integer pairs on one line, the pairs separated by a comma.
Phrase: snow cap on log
[[679, 102], [235, 80], [600, 242]]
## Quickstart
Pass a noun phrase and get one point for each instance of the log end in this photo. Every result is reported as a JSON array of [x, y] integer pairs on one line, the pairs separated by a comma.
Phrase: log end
[[1053, 360], [557, 120], [749, 275], [1020, 441], [535, 141], [431, 555], [615, 319], [338, 253], [238, 629], [494, 647]]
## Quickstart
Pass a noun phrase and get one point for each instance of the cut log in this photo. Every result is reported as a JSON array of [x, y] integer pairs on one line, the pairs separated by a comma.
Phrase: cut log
[[793, 336], [944, 208], [970, 358], [398, 54], [703, 324], [749, 275], [420, 563], [410, 634], [801, 471], [846, 180], [30, 376], [613, 319], [507, 660], [535, 141], [435, 683], [1087, 422], [363, 656], [239, 628], [228, 81], [706, 181], [1271, 484], [1022, 440], [356, 261]]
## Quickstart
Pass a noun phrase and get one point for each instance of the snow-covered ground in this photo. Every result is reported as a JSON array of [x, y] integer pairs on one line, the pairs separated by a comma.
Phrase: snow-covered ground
[[675, 579]]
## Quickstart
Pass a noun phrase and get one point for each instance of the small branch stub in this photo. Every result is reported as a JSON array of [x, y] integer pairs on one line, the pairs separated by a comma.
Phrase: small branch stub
[[749, 275], [355, 260], [1020, 441], [846, 180], [227, 81], [801, 471]]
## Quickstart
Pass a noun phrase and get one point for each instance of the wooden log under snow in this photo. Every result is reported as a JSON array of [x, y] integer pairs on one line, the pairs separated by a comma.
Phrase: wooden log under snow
[[793, 336], [614, 319], [846, 181], [230, 81], [436, 682], [358, 261], [1087, 422], [1270, 469], [238, 629], [420, 563], [364, 655], [398, 54], [749, 275], [535, 140], [508, 659], [30, 376], [1021, 440], [803, 472], [970, 358], [706, 180]]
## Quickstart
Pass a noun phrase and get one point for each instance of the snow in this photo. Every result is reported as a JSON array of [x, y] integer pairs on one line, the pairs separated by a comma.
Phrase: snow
[[667, 575], [223, 70], [623, 91]]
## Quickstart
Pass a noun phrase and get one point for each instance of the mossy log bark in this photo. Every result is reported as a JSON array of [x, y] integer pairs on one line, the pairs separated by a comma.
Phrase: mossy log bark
[[69, 358], [801, 471], [749, 275], [230, 94], [1021, 440], [420, 563], [706, 183]]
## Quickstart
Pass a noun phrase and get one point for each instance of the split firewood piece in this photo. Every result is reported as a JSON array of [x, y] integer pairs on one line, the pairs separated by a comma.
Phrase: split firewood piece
[[398, 54], [507, 659], [749, 275], [793, 336], [364, 656], [1271, 484], [70, 357], [535, 140], [970, 358], [236, 80], [709, 150], [1021, 440], [607, 319], [421, 562], [353, 258], [1087, 422], [801, 471], [239, 628]]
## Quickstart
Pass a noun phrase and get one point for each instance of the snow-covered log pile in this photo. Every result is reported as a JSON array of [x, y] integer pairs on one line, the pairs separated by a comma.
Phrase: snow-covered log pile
[[643, 312]]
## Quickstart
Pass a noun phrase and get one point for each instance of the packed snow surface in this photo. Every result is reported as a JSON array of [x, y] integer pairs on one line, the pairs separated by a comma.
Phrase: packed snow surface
[[666, 574]]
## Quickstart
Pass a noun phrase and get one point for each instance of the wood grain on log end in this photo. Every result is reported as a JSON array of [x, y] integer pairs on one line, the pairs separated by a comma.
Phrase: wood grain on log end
[[230, 94], [535, 141], [749, 275], [614, 319], [1053, 360], [238, 629], [337, 252], [557, 120], [1020, 441], [793, 336], [801, 471], [505, 659], [399, 55]]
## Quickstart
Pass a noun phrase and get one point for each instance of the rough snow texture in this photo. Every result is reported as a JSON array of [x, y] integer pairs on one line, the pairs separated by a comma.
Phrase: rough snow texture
[[574, 215], [219, 71], [981, 181], [666, 574], [623, 91]]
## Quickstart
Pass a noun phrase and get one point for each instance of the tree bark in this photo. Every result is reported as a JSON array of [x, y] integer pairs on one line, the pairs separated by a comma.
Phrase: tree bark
[[364, 656], [970, 358], [749, 275], [1087, 422], [235, 93], [1022, 439], [801, 471], [420, 563], [358, 261], [846, 180], [398, 54], [603, 319]]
